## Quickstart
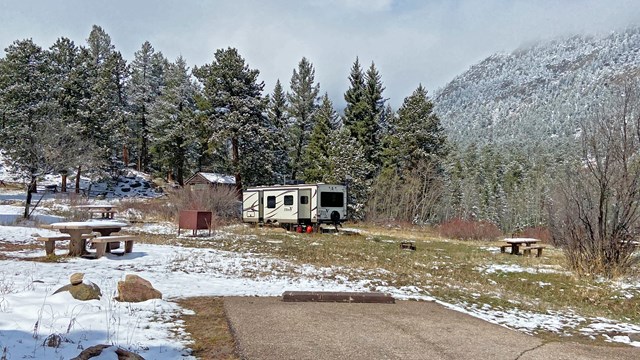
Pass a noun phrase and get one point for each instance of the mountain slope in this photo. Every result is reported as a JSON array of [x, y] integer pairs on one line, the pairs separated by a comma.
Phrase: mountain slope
[[535, 94]]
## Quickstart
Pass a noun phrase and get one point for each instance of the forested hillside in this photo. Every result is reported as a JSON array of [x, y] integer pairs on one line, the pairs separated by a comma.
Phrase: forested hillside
[[516, 122], [537, 93]]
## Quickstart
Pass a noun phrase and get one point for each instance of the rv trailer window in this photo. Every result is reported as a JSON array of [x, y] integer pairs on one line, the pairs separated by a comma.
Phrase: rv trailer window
[[271, 202], [304, 200], [331, 199], [288, 199]]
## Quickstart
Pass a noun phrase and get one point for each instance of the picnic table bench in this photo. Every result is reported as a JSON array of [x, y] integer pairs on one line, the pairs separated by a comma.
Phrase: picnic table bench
[[50, 241], [101, 243]]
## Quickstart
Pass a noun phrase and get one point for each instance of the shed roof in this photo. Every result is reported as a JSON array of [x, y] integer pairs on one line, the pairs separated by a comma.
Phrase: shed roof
[[214, 178]]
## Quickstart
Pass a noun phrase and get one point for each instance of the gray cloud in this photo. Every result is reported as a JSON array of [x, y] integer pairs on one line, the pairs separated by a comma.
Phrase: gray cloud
[[411, 41]]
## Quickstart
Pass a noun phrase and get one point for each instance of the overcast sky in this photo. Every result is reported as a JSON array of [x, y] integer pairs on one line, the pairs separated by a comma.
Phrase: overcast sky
[[410, 41]]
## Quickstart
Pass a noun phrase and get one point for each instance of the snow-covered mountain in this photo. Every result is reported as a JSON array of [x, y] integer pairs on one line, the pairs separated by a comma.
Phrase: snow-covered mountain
[[537, 93]]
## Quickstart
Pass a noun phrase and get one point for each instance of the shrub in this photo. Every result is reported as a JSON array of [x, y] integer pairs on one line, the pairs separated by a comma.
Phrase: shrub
[[222, 201], [469, 230], [541, 233]]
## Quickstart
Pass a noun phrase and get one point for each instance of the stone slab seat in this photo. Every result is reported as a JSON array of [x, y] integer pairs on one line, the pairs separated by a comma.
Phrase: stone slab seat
[[102, 241], [50, 241], [331, 296], [526, 250]]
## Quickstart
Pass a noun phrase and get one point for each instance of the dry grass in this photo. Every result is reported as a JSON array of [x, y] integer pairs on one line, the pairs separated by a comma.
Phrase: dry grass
[[450, 270], [209, 328]]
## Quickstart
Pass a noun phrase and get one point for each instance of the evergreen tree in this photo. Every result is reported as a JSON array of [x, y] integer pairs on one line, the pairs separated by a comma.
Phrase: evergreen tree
[[104, 120], [347, 166], [32, 136], [364, 113], [277, 113], [173, 125], [144, 86], [303, 103], [369, 129], [236, 115], [355, 110], [416, 135], [70, 94], [316, 155], [68, 84]]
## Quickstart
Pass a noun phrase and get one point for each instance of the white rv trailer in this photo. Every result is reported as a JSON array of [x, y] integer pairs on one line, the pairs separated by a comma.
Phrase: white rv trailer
[[287, 205]]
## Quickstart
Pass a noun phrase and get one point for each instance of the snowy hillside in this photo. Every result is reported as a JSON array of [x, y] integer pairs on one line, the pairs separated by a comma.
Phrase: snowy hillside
[[129, 183], [534, 93]]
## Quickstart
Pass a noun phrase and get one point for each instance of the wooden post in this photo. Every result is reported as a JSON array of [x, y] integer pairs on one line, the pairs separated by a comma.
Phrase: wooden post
[[78, 179]]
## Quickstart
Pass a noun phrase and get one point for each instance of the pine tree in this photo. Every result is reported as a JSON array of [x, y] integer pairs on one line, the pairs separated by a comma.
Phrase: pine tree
[[236, 115], [70, 93], [32, 136], [172, 124], [143, 88], [303, 103], [104, 119], [347, 166], [369, 130], [417, 135], [355, 110], [316, 155], [67, 90], [278, 116]]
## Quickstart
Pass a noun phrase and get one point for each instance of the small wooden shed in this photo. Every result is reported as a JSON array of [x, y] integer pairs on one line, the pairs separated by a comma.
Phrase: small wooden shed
[[201, 180]]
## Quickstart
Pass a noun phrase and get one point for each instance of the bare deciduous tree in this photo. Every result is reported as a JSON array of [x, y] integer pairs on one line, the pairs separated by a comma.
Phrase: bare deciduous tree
[[596, 215]]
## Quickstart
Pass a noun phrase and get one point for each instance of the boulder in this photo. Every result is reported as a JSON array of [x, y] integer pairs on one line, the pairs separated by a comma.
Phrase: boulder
[[76, 278], [82, 291], [97, 350], [136, 289]]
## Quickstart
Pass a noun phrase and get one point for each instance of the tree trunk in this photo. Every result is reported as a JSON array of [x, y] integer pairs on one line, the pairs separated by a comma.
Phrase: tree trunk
[[125, 155], [30, 187], [235, 159], [78, 179], [180, 176], [63, 187]]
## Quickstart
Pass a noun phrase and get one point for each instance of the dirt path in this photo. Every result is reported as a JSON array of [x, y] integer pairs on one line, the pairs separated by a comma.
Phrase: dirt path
[[267, 328]]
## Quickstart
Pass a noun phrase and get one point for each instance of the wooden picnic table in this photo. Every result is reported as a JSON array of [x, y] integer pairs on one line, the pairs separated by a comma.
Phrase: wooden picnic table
[[76, 230], [516, 243], [105, 210]]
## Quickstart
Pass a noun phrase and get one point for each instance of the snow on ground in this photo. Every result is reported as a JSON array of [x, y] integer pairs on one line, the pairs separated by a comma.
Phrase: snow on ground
[[29, 312], [10, 214]]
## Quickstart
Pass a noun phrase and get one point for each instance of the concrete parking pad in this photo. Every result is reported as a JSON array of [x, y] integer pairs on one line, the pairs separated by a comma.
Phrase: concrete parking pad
[[268, 328]]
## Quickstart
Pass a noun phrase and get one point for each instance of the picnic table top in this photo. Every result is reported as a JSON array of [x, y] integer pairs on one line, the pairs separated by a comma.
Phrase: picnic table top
[[521, 240], [95, 224]]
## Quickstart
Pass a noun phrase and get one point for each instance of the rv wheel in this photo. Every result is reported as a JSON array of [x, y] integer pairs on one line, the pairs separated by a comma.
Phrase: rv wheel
[[335, 217]]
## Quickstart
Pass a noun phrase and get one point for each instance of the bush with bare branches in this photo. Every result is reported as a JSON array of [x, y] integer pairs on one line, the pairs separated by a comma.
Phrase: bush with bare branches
[[221, 201], [412, 196], [469, 230], [596, 215]]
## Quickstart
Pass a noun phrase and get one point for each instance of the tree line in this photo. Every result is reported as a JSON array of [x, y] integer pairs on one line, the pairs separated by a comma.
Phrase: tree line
[[83, 107]]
